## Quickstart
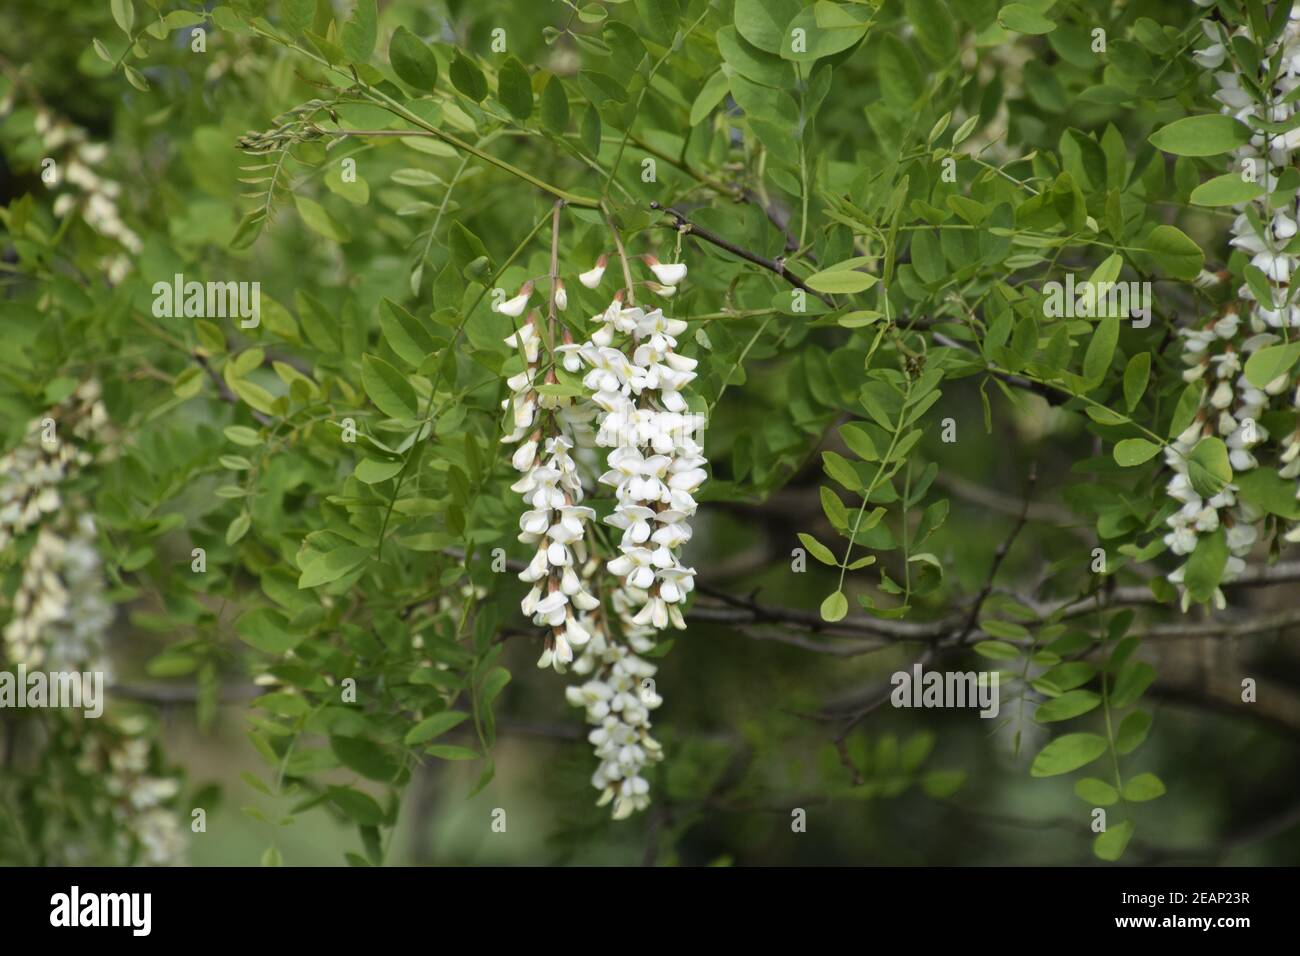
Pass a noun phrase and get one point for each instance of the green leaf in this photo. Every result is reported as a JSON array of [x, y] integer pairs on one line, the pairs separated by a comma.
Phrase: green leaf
[[468, 78], [555, 106], [1226, 190], [942, 784], [657, 18], [1205, 566], [1101, 350], [1174, 252], [319, 220], [842, 281], [859, 318], [434, 726], [1008, 630], [405, 334], [1135, 451], [388, 389], [242, 435], [835, 607], [934, 29], [1022, 18], [359, 806], [1136, 375], [1097, 793], [371, 471], [1110, 844], [135, 78], [840, 469], [239, 526], [1208, 466], [322, 568], [927, 257], [1104, 416], [123, 14], [713, 92], [1067, 753], [412, 60], [1134, 678], [1108, 270], [268, 630], [1143, 787], [1207, 135], [360, 31], [296, 15], [859, 442], [763, 22], [493, 684], [590, 133], [1270, 363], [364, 757], [514, 88], [818, 550], [1069, 705], [188, 383], [997, 650], [826, 29], [1270, 492], [1132, 731], [1069, 675]]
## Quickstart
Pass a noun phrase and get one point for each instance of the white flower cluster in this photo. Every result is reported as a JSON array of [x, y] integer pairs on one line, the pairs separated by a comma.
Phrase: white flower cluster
[[556, 518], [655, 465], [61, 614], [1266, 156], [30, 474], [617, 699], [634, 380], [1216, 355], [98, 199], [140, 803], [59, 611]]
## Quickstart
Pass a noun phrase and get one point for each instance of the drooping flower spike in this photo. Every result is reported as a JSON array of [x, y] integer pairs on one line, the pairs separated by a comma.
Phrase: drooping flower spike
[[1216, 353], [601, 615]]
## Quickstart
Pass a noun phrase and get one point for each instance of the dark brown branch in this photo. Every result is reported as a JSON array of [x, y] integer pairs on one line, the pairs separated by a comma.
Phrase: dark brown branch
[[748, 611], [223, 390], [777, 266]]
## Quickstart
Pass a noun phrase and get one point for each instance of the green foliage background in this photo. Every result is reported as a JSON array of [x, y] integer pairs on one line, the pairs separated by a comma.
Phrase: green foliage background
[[372, 560]]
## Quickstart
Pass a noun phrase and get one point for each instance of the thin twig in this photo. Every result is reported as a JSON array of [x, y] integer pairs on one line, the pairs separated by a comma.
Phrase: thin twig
[[776, 266], [224, 391], [1000, 555]]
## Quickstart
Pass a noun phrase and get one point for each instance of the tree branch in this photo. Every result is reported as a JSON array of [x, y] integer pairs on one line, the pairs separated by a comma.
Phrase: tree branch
[[776, 266]]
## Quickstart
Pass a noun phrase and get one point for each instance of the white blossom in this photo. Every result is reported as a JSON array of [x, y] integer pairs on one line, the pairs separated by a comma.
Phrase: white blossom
[[591, 278]]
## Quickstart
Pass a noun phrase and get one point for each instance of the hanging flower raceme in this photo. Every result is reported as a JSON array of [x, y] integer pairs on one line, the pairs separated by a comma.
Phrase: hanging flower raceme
[[655, 464], [617, 697], [602, 614], [94, 196], [555, 518], [1231, 405], [60, 614]]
